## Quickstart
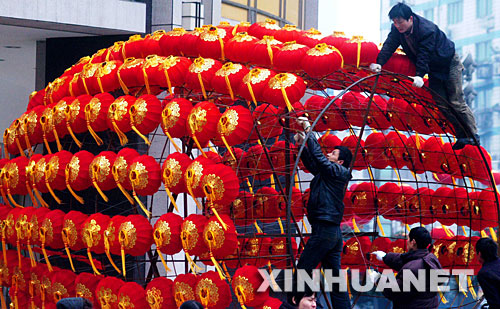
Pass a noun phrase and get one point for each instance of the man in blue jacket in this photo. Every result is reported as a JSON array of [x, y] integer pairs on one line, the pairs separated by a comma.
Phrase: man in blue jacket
[[434, 54], [489, 275], [325, 208]]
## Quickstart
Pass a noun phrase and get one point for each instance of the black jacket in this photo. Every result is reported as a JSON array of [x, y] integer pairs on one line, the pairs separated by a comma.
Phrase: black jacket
[[326, 200], [489, 280], [434, 50], [413, 260]]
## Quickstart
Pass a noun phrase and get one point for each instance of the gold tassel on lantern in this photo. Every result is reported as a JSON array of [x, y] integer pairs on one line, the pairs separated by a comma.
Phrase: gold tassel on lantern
[[132, 122], [194, 268], [355, 226], [43, 123], [158, 238], [114, 172], [76, 196], [381, 228], [89, 239], [97, 139], [94, 182], [209, 241], [48, 173], [42, 240], [64, 234], [107, 251], [67, 112]]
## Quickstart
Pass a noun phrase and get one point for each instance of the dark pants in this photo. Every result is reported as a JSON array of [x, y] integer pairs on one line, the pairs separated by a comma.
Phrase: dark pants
[[456, 111], [324, 246]]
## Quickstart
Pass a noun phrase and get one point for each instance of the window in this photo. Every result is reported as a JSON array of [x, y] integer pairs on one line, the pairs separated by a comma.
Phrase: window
[[455, 12], [483, 99], [483, 51], [429, 14], [483, 8]]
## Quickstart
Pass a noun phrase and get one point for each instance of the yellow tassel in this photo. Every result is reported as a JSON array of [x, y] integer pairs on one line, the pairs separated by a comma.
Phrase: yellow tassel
[[31, 255], [463, 229], [18, 253], [146, 140], [104, 197], [68, 253], [6, 153], [287, 101], [355, 226], [163, 260], [2, 300], [89, 254], [123, 262], [228, 147], [169, 83], [40, 198], [45, 256], [27, 140], [46, 143], [493, 234], [228, 276], [250, 189], [114, 172], [122, 84], [32, 197], [202, 86], [348, 286], [228, 84], [172, 141], [397, 176], [305, 226], [472, 184], [380, 227], [250, 90], [106, 250], [76, 196], [97, 139], [146, 80], [58, 200], [471, 288], [224, 225], [446, 231], [194, 268], [453, 181], [269, 50], [273, 282], [257, 227], [21, 150], [217, 267], [198, 145], [358, 54], [146, 211], [11, 199], [4, 248], [77, 141], [281, 226], [271, 182], [121, 136], [296, 178], [221, 43], [483, 234], [58, 142], [407, 228], [172, 200]]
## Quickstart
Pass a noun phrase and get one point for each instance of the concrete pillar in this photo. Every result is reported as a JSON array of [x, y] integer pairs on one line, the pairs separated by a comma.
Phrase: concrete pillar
[[166, 14], [212, 11]]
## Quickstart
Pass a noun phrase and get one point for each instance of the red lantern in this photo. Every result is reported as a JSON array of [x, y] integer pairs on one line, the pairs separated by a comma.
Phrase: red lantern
[[92, 234], [487, 212], [255, 163], [174, 118], [220, 184], [192, 237], [173, 170], [132, 295], [230, 30], [59, 116], [201, 73], [357, 52], [133, 47], [351, 104], [62, 284], [170, 43], [264, 51], [238, 48], [77, 173], [145, 115], [114, 52], [375, 145], [256, 251], [351, 142], [144, 174], [100, 172], [202, 122], [254, 83], [289, 56], [85, 286], [472, 163], [234, 126], [363, 199], [379, 244], [50, 232], [211, 42], [354, 251], [135, 237], [159, 293], [194, 174], [288, 33], [73, 222], [130, 74], [48, 129], [220, 238], [396, 109], [242, 208], [212, 291], [245, 282], [260, 29], [75, 116], [328, 142], [184, 288], [423, 196], [445, 206], [267, 119], [189, 39], [310, 37], [278, 153], [118, 117], [167, 235], [151, 44], [279, 250], [55, 172], [322, 60], [228, 78], [87, 79], [400, 63], [396, 148], [96, 111], [35, 221], [413, 156], [432, 152], [336, 39], [284, 88], [314, 105], [107, 292], [266, 207], [77, 67]]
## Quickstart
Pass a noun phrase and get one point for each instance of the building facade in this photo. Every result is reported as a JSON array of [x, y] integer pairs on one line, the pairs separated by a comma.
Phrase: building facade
[[474, 26]]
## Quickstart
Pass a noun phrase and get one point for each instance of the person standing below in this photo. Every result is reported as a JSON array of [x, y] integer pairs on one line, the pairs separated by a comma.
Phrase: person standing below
[[325, 207], [434, 54], [489, 274], [417, 257]]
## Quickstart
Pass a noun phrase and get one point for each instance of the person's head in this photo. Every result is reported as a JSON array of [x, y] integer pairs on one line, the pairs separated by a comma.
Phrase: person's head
[[486, 249], [191, 304], [304, 300], [419, 238], [402, 17], [341, 155]]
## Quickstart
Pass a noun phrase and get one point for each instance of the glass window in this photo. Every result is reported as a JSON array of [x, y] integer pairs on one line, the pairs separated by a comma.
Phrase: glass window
[[483, 8], [429, 14], [455, 12], [483, 99], [483, 51]]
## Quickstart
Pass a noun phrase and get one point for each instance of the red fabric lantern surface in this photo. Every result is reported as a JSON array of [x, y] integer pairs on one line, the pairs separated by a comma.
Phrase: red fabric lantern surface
[[174, 117], [254, 83], [228, 78], [193, 175], [424, 119], [445, 206], [220, 184], [400, 63], [238, 48], [212, 292], [357, 52], [144, 174], [310, 37], [230, 30], [100, 172], [298, 111], [279, 250], [375, 146], [256, 251], [118, 116], [21, 226], [170, 42], [288, 33], [113, 52], [59, 116], [85, 286], [284, 88], [165, 72], [396, 149], [423, 200], [35, 283], [271, 303], [133, 47], [6, 269], [151, 44], [20, 283], [472, 164], [264, 51], [159, 293], [351, 142], [135, 236], [111, 237], [220, 242], [96, 114], [363, 199], [200, 74], [31, 126], [322, 60], [266, 207], [432, 155], [73, 223], [107, 292], [234, 163], [254, 163], [413, 154], [266, 118], [55, 172], [14, 177], [211, 42], [120, 168], [314, 105], [77, 67], [288, 58], [202, 122], [355, 250], [92, 232], [234, 126], [464, 206], [87, 79], [63, 284], [167, 233], [328, 142], [35, 221], [130, 74], [75, 116], [351, 104], [336, 39], [391, 201], [245, 282], [48, 129], [396, 111], [9, 140], [297, 206], [379, 244], [189, 39], [242, 208], [184, 288], [174, 167], [77, 173], [487, 212], [466, 256], [262, 28], [50, 231], [192, 234], [441, 249], [278, 152], [107, 76]]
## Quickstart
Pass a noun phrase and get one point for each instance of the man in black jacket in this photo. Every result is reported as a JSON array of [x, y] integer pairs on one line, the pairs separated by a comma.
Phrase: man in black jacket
[[489, 275], [325, 208], [434, 54]]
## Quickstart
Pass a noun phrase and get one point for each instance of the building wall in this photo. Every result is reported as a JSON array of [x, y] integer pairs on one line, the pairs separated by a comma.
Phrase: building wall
[[475, 34]]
